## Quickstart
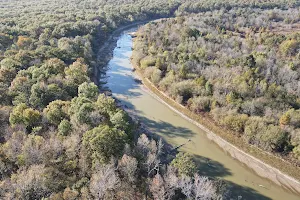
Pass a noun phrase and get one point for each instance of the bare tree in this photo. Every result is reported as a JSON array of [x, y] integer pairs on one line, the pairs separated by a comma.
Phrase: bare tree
[[185, 183], [103, 181], [128, 167], [152, 163], [204, 188], [29, 184], [171, 182], [157, 188]]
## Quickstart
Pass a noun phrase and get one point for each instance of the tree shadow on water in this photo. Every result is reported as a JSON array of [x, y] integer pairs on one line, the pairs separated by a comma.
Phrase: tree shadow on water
[[239, 192], [206, 166], [165, 128], [210, 168], [216, 170]]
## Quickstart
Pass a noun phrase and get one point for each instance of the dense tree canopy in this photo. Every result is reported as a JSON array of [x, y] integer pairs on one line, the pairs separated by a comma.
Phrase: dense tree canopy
[[240, 65], [61, 139]]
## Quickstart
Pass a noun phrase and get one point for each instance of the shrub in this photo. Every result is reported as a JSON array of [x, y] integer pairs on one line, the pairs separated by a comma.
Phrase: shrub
[[104, 142], [200, 81], [183, 89], [22, 114], [285, 119], [235, 122], [167, 81], [254, 128], [147, 62], [231, 97], [289, 47], [57, 111], [88, 90], [185, 164], [275, 138], [65, 127], [156, 76], [199, 104]]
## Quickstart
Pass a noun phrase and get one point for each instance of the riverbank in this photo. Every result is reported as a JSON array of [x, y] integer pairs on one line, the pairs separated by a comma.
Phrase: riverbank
[[104, 53], [223, 138], [157, 117], [268, 166]]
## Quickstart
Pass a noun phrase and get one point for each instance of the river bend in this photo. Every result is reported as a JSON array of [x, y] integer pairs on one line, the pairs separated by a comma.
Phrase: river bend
[[176, 130]]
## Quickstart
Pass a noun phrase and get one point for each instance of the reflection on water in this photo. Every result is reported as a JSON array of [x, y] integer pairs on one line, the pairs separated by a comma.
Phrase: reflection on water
[[175, 130]]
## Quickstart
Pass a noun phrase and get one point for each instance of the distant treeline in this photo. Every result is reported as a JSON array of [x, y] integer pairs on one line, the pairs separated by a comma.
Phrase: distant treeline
[[61, 139]]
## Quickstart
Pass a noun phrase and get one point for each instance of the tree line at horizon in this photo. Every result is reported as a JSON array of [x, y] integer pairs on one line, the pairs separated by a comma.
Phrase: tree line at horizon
[[60, 138]]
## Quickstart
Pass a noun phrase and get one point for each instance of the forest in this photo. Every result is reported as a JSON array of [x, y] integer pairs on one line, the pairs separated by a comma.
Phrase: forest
[[241, 66], [61, 139]]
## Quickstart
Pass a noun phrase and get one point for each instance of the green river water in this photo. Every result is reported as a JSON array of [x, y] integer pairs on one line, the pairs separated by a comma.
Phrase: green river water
[[243, 183]]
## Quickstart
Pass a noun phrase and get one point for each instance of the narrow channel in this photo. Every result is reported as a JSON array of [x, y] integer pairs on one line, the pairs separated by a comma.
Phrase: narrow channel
[[213, 162]]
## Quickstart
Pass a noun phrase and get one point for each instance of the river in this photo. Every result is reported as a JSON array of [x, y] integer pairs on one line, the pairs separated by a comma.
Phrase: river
[[161, 120]]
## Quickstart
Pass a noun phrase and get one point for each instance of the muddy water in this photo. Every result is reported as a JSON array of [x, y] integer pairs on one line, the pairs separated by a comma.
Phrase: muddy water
[[243, 183]]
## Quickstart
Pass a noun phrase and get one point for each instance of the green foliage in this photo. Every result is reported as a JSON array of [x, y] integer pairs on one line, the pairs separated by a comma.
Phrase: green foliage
[[231, 97], [64, 127], [10, 63], [289, 47], [104, 142], [285, 119], [159, 64], [201, 81], [42, 94], [77, 72], [53, 66], [83, 113], [88, 90], [235, 122], [185, 164], [81, 108], [5, 41], [147, 62], [23, 115], [192, 32], [4, 96], [183, 71], [156, 76], [106, 104], [45, 63], [120, 120], [254, 128], [199, 104], [31, 116], [182, 89], [56, 111], [208, 87], [275, 138], [250, 61]]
